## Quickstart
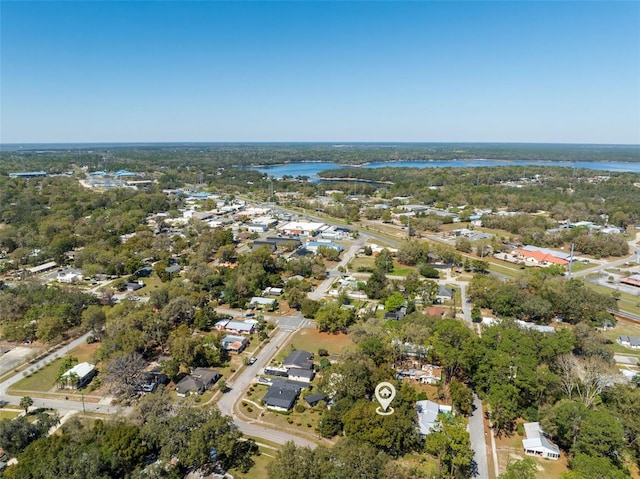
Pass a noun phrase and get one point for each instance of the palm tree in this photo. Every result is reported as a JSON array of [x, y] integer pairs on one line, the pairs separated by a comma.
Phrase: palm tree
[[25, 403]]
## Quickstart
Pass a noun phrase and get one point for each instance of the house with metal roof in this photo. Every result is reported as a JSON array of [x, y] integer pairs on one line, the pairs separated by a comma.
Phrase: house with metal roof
[[632, 342], [428, 412], [78, 376], [536, 443]]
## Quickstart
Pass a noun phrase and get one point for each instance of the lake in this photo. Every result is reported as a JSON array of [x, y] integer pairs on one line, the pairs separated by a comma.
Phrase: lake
[[311, 169]]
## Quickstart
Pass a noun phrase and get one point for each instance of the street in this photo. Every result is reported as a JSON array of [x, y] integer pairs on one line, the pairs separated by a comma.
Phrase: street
[[242, 381]]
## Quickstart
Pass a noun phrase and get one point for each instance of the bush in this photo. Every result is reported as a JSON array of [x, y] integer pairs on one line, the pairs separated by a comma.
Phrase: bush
[[520, 429], [323, 352], [300, 408]]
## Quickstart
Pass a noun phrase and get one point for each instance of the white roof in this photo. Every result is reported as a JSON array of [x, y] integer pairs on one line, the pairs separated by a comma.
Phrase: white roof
[[239, 325], [428, 414], [81, 370], [43, 267], [536, 440], [303, 226], [260, 300]]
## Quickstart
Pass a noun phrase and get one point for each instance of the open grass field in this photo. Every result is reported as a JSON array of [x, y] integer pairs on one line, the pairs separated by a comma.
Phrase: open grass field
[[623, 328], [44, 379], [261, 463], [311, 340], [504, 268], [627, 302], [9, 413]]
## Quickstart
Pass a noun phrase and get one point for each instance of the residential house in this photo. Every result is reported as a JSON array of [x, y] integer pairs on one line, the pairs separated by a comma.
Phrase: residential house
[[78, 376], [69, 276], [444, 294], [428, 415], [235, 344], [236, 327], [302, 375], [428, 374], [536, 443], [197, 382], [262, 303], [632, 342], [313, 399], [272, 291], [299, 360], [173, 270], [134, 286], [282, 395]]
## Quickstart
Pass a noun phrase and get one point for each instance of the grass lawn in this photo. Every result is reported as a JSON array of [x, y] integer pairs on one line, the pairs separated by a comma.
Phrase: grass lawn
[[9, 414], [400, 270], [261, 462], [627, 302], [361, 262], [151, 282], [306, 421], [41, 381], [623, 328], [311, 340], [501, 267], [44, 379]]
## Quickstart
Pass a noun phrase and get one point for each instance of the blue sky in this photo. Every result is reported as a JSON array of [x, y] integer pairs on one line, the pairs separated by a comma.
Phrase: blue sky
[[566, 72]]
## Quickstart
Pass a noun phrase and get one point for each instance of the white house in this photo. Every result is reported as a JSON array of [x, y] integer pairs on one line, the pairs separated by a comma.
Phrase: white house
[[78, 376], [260, 303], [69, 276], [632, 342], [536, 444]]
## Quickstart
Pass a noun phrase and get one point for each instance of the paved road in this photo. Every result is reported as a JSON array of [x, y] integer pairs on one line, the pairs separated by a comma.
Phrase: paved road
[[333, 274], [478, 439], [610, 264], [242, 381]]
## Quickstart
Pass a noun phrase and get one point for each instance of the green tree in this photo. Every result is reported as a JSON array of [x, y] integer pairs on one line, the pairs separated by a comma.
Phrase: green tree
[[395, 301], [94, 320], [522, 469], [461, 397], [384, 261], [451, 343], [451, 446], [25, 403], [333, 318]]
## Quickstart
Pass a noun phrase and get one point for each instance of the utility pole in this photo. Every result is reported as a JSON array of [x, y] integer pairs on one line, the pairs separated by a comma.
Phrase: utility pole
[[571, 260]]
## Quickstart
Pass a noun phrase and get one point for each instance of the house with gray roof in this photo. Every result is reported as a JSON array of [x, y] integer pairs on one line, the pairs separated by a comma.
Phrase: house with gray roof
[[281, 395], [197, 382], [298, 359], [536, 443], [632, 342], [428, 412]]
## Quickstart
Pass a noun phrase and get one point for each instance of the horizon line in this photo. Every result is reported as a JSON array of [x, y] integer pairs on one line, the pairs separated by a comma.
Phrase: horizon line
[[335, 143]]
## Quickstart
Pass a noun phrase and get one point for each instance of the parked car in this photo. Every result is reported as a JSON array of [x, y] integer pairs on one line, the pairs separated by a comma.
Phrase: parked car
[[253, 360]]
